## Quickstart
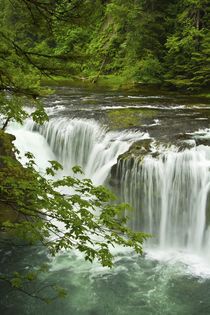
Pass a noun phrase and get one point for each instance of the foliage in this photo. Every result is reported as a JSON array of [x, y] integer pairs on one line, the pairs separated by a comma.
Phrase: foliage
[[187, 53], [146, 40], [154, 42], [89, 220]]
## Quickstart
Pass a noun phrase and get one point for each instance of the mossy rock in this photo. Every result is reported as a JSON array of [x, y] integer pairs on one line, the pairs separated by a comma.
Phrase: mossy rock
[[138, 149], [128, 118], [6, 146], [6, 152], [11, 171], [136, 153], [7, 213]]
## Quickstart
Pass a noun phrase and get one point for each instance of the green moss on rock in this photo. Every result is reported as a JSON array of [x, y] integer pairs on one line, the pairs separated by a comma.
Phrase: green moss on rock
[[6, 146], [7, 213], [138, 149], [128, 118], [11, 171]]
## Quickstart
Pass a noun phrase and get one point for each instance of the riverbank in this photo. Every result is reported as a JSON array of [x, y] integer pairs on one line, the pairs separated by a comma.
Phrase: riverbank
[[120, 83]]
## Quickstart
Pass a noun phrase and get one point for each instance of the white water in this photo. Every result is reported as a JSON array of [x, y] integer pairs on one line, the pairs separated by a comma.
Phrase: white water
[[29, 141], [85, 143], [169, 193], [170, 196]]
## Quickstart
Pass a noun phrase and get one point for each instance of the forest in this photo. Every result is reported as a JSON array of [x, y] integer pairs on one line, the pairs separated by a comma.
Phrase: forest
[[152, 42]]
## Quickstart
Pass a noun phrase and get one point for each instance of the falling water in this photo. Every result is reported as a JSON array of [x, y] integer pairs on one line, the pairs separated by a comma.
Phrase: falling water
[[170, 194], [85, 143]]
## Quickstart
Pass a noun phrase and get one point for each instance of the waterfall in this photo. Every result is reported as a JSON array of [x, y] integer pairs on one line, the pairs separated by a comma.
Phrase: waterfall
[[170, 197], [85, 143], [169, 193]]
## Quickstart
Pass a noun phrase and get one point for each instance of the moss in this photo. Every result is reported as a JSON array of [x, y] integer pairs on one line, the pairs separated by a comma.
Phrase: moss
[[6, 146], [7, 213], [11, 171], [138, 149], [120, 82], [115, 82], [109, 81], [127, 118]]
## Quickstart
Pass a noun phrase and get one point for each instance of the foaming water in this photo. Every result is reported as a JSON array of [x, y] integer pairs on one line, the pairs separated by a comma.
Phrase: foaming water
[[169, 193], [170, 197], [143, 106], [202, 134], [192, 264], [29, 141], [85, 143]]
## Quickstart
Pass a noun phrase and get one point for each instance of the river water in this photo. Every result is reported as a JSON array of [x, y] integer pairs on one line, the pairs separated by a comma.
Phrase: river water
[[168, 188]]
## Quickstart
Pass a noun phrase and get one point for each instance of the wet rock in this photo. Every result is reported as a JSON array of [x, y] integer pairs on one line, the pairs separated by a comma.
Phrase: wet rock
[[136, 152], [202, 141], [11, 170], [6, 146]]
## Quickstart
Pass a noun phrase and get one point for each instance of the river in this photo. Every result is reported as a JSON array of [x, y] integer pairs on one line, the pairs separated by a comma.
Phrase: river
[[168, 188]]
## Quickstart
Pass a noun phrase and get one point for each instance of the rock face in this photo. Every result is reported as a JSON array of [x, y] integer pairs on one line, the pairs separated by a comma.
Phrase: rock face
[[202, 141], [6, 146], [136, 153], [8, 166], [137, 150]]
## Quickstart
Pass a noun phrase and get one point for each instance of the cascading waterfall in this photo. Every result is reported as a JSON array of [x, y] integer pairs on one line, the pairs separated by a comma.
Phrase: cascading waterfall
[[85, 143], [169, 195]]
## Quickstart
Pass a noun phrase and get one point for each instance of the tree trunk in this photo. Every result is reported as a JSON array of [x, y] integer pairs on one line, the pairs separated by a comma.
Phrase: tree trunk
[[102, 65], [197, 40]]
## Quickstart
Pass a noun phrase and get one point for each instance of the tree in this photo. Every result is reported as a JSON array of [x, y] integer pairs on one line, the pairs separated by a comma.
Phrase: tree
[[29, 49], [188, 55], [35, 204], [31, 203]]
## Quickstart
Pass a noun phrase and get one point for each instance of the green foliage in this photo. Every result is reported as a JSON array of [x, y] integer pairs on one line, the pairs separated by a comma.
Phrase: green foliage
[[187, 56], [146, 41], [92, 221], [30, 48], [148, 69]]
